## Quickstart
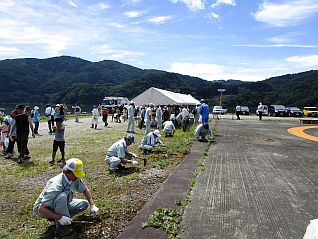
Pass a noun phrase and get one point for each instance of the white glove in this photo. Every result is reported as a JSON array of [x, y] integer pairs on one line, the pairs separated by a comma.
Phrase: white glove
[[65, 221], [134, 162], [95, 210]]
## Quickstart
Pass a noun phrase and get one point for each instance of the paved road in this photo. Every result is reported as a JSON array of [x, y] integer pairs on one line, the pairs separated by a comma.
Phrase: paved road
[[259, 182]]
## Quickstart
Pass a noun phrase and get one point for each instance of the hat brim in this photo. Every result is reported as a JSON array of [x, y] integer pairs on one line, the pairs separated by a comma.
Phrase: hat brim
[[79, 174]]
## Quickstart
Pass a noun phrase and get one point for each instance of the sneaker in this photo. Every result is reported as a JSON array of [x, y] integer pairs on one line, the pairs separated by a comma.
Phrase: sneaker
[[62, 231], [26, 157], [52, 162], [8, 156]]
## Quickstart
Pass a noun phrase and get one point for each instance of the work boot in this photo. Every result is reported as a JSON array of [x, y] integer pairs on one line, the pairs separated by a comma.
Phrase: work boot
[[92, 126], [62, 231], [95, 126]]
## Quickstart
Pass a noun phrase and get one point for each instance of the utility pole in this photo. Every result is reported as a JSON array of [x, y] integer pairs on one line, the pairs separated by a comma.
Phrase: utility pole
[[221, 91]]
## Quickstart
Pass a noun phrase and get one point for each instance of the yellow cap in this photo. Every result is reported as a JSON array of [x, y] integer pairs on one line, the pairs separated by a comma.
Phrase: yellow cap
[[76, 166]]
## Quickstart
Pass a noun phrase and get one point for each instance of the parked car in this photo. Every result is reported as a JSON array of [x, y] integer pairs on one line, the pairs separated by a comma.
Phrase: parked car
[[277, 110], [294, 111], [265, 110], [244, 110], [218, 110], [310, 111]]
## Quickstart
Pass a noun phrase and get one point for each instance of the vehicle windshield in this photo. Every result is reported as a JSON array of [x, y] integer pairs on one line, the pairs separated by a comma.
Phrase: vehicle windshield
[[310, 108], [279, 107], [244, 108], [293, 108], [218, 107]]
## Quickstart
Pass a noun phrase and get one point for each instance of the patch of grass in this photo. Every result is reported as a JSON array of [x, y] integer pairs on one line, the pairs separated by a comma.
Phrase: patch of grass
[[165, 219], [118, 197]]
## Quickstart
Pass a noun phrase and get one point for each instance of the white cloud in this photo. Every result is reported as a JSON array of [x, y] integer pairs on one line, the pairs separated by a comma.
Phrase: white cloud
[[214, 15], [223, 2], [9, 51], [285, 14], [276, 45], [108, 52], [193, 5], [73, 4], [134, 14], [205, 71], [159, 19], [304, 61]]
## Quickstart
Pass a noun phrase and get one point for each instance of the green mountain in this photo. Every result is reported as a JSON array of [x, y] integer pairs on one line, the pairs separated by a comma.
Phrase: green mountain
[[73, 80]]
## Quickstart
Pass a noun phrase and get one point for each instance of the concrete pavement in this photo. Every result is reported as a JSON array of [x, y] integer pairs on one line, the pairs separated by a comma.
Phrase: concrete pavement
[[259, 182]]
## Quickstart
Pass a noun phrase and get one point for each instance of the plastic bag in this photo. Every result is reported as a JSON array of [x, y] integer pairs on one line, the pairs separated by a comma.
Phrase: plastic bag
[[6, 142]]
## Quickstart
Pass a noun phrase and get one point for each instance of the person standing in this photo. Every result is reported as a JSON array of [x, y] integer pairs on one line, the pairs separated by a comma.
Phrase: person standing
[[12, 138], [118, 154], [159, 118], [142, 116], [148, 115], [36, 119], [238, 112], [166, 114], [49, 113], [77, 111], [22, 123], [204, 112], [105, 115], [260, 109], [95, 117], [56, 200], [196, 113], [58, 141], [131, 120]]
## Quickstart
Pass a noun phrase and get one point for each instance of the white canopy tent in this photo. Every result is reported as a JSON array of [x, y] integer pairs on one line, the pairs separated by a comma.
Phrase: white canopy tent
[[164, 97]]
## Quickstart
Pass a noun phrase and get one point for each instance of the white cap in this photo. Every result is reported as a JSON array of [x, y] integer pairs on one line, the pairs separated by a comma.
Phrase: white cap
[[157, 133]]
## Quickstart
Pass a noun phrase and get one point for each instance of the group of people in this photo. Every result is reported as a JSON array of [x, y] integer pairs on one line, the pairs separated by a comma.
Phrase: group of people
[[56, 201]]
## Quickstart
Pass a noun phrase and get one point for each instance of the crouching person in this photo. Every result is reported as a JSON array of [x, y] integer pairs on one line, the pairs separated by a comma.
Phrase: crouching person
[[168, 128], [56, 200], [202, 131], [150, 141], [118, 154]]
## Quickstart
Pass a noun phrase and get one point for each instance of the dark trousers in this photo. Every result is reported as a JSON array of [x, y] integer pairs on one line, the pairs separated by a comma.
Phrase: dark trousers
[[105, 119], [12, 140], [51, 123], [142, 122], [260, 115], [22, 141], [238, 115], [36, 127]]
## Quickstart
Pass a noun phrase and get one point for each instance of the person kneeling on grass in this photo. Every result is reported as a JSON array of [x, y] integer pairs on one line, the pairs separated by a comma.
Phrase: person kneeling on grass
[[118, 154], [168, 128], [56, 200], [58, 141], [202, 131], [150, 141]]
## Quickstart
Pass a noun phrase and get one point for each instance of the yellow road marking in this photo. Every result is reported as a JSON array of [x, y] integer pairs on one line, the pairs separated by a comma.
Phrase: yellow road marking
[[299, 132]]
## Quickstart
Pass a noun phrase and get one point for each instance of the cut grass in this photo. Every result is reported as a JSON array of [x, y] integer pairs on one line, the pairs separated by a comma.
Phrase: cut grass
[[118, 197]]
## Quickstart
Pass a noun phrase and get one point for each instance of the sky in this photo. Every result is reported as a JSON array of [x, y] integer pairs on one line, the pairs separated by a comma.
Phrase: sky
[[249, 40]]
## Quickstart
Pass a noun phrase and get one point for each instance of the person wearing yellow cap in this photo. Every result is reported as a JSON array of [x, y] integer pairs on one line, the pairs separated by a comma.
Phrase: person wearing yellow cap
[[56, 200]]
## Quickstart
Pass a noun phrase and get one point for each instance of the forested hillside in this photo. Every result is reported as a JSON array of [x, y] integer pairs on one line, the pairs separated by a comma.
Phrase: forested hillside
[[73, 80]]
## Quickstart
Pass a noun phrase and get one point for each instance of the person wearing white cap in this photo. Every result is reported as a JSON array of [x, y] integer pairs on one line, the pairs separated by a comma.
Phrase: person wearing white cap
[[150, 141], [148, 118], [118, 154], [56, 200], [131, 121]]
